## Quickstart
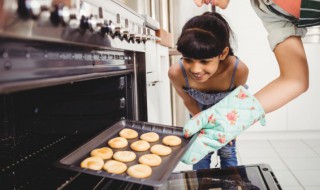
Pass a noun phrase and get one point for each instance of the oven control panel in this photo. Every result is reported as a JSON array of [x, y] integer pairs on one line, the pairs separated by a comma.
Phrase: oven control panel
[[105, 23]]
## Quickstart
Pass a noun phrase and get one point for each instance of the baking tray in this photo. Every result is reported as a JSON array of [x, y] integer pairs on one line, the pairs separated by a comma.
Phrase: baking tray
[[160, 173]]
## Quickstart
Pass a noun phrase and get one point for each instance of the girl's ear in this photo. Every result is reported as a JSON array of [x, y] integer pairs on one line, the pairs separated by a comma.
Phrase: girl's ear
[[224, 53]]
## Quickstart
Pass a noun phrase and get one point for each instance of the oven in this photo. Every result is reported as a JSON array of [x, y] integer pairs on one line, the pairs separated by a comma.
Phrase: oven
[[69, 69]]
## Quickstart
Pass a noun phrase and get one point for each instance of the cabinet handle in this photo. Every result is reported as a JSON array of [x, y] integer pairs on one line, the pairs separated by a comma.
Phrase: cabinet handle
[[122, 103]]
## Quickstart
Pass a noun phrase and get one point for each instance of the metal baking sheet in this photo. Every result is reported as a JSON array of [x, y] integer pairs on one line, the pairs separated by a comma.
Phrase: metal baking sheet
[[160, 173]]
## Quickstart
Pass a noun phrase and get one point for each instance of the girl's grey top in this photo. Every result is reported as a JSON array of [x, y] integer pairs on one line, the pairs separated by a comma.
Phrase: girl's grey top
[[207, 99]]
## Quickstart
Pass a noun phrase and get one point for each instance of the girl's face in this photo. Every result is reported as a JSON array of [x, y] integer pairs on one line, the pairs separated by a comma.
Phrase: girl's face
[[219, 3], [201, 70]]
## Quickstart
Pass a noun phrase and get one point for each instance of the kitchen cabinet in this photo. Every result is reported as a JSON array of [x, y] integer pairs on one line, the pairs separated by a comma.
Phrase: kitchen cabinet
[[158, 84]]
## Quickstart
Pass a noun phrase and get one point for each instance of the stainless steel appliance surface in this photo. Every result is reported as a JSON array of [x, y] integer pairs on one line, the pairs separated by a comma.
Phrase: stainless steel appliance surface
[[68, 70]]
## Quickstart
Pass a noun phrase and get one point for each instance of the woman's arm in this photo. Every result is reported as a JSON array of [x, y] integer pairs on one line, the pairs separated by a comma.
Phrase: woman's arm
[[293, 79]]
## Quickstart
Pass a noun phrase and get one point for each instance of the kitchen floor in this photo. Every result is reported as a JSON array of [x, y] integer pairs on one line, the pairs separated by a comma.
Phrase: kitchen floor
[[295, 161]]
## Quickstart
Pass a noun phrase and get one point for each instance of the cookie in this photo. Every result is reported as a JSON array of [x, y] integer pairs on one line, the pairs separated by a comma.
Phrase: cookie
[[93, 163], [150, 160], [139, 171], [128, 133], [160, 150], [124, 156], [140, 145], [171, 140], [150, 137], [104, 153], [118, 142], [115, 167]]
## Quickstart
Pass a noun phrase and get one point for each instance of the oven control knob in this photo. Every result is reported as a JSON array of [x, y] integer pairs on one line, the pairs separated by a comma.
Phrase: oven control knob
[[104, 30], [125, 30], [60, 14], [118, 31], [149, 36], [96, 24], [32, 8], [111, 28], [64, 14], [131, 35], [54, 16], [23, 11], [92, 22], [138, 35], [74, 18], [144, 35], [84, 23]]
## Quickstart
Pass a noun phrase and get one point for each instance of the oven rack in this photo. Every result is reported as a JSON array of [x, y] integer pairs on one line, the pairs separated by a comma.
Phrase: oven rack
[[27, 160]]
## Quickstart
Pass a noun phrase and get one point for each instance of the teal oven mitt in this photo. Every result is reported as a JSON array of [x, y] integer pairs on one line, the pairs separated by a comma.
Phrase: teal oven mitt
[[221, 123]]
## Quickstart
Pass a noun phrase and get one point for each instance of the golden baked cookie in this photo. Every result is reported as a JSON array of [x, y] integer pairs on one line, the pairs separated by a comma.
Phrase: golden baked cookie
[[118, 142], [124, 156], [115, 167], [128, 133], [104, 153], [140, 145], [150, 160], [93, 163], [160, 150], [150, 137], [139, 171], [171, 140]]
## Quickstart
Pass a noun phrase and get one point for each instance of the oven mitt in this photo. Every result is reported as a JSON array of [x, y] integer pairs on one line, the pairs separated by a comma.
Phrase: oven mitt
[[221, 123]]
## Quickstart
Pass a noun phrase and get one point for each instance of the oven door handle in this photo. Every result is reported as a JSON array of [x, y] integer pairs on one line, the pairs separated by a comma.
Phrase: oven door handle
[[122, 103]]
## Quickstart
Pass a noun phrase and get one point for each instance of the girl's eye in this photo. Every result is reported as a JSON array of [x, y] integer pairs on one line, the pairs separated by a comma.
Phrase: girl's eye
[[188, 60], [204, 62]]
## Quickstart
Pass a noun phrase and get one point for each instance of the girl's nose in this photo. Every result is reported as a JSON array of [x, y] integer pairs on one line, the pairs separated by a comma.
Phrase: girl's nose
[[196, 68]]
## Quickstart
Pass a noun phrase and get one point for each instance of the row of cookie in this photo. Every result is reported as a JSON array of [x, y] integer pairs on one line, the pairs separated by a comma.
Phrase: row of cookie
[[150, 137], [116, 167], [143, 144]]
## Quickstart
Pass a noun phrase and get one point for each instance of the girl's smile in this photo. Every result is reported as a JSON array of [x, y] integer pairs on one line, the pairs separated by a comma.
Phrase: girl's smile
[[201, 70], [198, 77]]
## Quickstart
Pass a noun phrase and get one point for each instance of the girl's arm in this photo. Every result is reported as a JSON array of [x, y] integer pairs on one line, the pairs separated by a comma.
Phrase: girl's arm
[[293, 79], [177, 81], [242, 73]]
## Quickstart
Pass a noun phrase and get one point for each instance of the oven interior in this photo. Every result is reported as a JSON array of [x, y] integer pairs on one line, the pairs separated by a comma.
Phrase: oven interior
[[54, 98]]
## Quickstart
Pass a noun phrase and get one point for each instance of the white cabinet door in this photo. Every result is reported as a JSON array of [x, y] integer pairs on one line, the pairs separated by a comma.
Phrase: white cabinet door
[[164, 85], [158, 86]]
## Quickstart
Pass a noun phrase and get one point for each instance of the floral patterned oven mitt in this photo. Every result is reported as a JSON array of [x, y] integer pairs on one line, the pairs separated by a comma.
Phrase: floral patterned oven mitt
[[221, 123]]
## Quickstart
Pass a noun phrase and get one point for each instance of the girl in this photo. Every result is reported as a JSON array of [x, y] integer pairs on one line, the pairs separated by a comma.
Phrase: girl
[[207, 72]]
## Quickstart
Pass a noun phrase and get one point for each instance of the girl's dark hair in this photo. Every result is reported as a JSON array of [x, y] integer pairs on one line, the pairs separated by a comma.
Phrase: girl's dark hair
[[205, 36]]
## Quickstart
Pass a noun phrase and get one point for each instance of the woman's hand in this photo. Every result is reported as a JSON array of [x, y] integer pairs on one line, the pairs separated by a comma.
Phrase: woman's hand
[[199, 3]]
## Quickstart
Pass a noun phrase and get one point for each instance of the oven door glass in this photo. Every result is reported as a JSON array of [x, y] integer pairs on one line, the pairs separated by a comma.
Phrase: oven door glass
[[255, 177]]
